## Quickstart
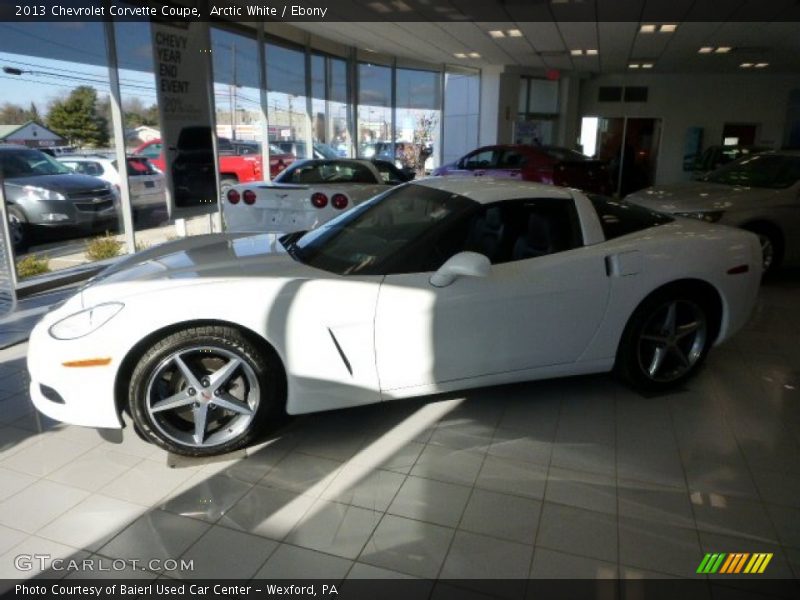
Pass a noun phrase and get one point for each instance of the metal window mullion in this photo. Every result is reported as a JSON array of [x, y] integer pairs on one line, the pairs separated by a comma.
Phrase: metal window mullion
[[394, 108], [118, 127], [352, 96], [309, 101], [262, 93]]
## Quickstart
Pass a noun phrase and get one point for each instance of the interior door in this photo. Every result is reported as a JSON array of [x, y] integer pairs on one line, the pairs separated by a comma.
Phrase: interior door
[[527, 313]]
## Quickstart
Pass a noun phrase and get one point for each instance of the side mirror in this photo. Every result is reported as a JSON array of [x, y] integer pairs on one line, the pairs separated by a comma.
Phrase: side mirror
[[463, 264]]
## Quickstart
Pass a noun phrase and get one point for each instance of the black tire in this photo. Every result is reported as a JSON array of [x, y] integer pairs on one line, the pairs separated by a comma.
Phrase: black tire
[[227, 183], [18, 228], [772, 245], [634, 351], [267, 391]]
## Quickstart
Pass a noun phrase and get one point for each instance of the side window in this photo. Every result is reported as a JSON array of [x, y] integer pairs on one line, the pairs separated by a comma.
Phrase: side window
[[152, 151], [483, 159], [389, 173], [92, 168], [523, 229], [512, 159]]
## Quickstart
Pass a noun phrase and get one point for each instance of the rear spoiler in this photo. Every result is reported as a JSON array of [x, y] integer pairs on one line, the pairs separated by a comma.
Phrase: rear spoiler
[[282, 186]]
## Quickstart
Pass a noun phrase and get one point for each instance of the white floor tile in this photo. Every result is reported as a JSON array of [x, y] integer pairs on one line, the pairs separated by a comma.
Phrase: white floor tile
[[38, 504], [578, 531], [224, 553], [431, 501], [291, 562], [335, 528], [502, 516], [267, 511]]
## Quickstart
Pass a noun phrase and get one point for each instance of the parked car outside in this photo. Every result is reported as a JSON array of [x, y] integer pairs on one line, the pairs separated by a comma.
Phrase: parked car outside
[[233, 167], [146, 182], [760, 193], [435, 286], [715, 157], [543, 164], [43, 194], [307, 194]]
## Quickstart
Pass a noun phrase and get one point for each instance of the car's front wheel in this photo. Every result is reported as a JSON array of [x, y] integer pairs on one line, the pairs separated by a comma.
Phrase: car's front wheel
[[666, 340], [18, 228], [204, 391]]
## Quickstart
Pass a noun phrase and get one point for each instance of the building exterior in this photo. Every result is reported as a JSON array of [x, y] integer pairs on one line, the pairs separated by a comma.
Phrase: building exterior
[[30, 134]]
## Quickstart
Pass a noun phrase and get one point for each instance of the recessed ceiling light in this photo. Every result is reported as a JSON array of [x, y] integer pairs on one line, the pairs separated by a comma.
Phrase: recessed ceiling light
[[761, 65], [497, 33], [474, 55], [647, 65], [460, 55], [647, 28], [633, 66], [576, 52], [723, 49], [514, 33], [746, 65], [668, 28], [706, 50], [591, 52]]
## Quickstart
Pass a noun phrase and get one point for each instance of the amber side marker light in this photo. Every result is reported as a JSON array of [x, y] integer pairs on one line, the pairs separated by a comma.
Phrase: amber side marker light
[[88, 362], [739, 270]]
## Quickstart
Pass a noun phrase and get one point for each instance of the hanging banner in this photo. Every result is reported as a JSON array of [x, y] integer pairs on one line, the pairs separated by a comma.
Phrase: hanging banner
[[182, 53]]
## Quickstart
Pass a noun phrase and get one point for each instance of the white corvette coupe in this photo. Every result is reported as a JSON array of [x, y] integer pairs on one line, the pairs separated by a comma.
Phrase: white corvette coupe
[[307, 194], [437, 285]]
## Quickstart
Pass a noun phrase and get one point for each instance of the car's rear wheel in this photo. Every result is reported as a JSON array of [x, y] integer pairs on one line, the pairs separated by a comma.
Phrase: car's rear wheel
[[666, 340], [18, 228], [204, 391]]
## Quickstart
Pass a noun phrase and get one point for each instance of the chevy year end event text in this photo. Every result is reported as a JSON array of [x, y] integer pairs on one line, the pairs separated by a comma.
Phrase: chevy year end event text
[[183, 12], [180, 589]]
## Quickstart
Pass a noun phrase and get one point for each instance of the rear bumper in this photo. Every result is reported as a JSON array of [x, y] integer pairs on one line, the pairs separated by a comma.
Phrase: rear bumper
[[264, 220]]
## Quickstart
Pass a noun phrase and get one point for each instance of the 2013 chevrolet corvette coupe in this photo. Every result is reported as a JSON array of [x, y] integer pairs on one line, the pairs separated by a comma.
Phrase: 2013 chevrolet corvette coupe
[[437, 285]]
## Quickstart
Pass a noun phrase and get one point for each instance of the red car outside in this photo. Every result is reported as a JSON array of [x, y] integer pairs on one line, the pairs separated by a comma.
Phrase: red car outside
[[543, 164], [234, 167]]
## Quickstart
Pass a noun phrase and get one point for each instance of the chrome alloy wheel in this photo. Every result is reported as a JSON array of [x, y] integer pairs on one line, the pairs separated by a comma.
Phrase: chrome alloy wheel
[[15, 230], [672, 341], [202, 396]]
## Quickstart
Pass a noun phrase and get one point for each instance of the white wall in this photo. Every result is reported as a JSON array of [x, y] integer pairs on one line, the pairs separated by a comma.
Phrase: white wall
[[461, 115], [698, 100]]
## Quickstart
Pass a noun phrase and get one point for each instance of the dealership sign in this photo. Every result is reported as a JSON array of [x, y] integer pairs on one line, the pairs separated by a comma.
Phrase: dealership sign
[[181, 52]]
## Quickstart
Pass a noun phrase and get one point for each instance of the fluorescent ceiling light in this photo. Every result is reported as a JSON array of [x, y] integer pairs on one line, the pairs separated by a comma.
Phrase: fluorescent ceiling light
[[706, 50], [474, 55], [647, 28], [460, 55], [591, 52], [723, 49], [746, 65], [647, 65], [761, 65], [668, 28], [497, 33], [576, 52], [633, 66], [514, 33]]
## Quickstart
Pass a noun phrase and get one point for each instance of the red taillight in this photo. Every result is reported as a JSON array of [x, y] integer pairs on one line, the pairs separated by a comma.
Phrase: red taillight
[[339, 201], [249, 197], [233, 197], [319, 200]]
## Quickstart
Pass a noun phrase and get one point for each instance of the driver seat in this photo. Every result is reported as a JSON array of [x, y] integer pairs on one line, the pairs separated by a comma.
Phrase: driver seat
[[539, 239]]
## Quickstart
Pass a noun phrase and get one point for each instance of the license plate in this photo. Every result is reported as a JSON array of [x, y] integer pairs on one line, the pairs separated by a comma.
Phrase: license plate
[[149, 184]]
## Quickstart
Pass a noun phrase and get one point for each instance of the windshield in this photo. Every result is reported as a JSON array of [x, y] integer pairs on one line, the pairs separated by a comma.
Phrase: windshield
[[28, 163], [337, 171], [771, 171], [396, 232]]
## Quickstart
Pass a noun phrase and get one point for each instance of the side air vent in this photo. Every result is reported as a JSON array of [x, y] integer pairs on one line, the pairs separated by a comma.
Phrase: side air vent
[[341, 352]]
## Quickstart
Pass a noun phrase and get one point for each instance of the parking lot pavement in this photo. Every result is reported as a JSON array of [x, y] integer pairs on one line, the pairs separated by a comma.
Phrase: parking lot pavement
[[569, 478]]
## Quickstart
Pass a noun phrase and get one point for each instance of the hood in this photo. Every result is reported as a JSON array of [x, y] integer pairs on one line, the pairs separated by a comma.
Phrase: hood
[[65, 184], [214, 256], [695, 196]]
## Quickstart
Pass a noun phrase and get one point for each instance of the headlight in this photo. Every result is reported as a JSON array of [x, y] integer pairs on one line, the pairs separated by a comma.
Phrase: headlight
[[707, 216], [85, 322], [37, 193]]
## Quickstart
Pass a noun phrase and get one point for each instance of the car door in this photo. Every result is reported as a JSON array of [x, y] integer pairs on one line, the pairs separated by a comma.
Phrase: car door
[[477, 163], [533, 310]]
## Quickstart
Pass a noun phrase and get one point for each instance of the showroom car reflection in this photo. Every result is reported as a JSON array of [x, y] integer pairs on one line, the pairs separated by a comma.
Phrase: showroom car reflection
[[43, 194], [542, 164], [760, 193], [307, 194], [441, 284]]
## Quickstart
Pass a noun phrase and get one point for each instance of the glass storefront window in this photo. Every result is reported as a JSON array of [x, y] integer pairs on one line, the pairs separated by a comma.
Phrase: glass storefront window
[[329, 106], [289, 124], [374, 111], [417, 119], [54, 103]]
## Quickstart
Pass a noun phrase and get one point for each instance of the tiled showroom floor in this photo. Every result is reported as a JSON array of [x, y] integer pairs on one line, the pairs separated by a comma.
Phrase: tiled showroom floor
[[567, 478]]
